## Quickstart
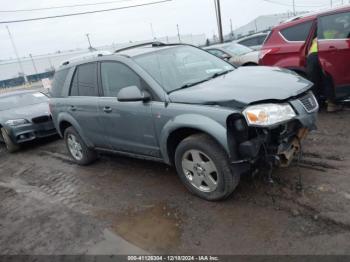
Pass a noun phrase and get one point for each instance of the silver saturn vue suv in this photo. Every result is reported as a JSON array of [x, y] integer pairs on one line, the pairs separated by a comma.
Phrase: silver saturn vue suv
[[182, 106]]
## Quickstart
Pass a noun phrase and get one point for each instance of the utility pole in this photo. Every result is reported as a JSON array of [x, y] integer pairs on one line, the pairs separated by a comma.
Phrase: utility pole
[[90, 46], [152, 31], [178, 32], [218, 17], [294, 13], [31, 58], [231, 27], [256, 26], [17, 56], [331, 3], [51, 65]]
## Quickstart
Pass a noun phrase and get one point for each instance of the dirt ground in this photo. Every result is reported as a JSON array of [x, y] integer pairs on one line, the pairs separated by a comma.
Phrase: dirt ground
[[125, 206]]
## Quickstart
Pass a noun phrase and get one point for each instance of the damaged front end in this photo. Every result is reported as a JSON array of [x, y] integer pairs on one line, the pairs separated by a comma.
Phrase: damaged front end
[[275, 145]]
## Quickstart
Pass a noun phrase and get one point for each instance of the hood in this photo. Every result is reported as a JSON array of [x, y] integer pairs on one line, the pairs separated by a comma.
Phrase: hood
[[26, 112], [244, 86]]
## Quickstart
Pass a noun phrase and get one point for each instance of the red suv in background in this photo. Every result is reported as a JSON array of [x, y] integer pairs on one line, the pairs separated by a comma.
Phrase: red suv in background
[[288, 44]]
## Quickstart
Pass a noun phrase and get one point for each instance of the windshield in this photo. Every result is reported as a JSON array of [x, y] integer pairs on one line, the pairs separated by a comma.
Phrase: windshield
[[21, 100], [181, 66], [237, 49]]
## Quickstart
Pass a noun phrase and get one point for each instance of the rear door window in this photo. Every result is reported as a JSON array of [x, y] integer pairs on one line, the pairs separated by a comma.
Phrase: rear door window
[[298, 32], [58, 83], [84, 81], [250, 42], [335, 26], [216, 52]]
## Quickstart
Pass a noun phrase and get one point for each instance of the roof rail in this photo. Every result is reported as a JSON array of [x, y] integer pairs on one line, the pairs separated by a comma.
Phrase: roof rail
[[153, 44], [87, 56]]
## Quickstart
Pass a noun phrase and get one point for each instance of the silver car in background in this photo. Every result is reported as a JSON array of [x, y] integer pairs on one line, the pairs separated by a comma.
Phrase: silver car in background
[[254, 41], [236, 54]]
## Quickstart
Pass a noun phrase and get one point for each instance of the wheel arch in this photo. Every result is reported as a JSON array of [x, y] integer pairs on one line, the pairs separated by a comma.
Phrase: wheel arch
[[65, 121], [184, 126], [63, 125], [250, 64], [1, 138]]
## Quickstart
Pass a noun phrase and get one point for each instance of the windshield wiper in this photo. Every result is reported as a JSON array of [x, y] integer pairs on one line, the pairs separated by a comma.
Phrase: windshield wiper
[[187, 85], [221, 73]]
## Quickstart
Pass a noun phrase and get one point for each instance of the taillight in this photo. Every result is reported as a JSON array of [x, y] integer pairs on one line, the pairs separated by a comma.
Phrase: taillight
[[264, 52]]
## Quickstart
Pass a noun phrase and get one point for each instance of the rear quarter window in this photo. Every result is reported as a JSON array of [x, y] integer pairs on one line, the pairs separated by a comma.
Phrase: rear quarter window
[[297, 32], [58, 82]]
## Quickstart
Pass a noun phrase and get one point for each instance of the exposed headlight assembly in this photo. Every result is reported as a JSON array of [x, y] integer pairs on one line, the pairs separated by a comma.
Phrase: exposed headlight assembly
[[268, 114], [16, 122]]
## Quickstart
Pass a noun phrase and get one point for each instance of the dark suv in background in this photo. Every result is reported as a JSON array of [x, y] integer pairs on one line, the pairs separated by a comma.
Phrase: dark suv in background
[[180, 105], [288, 45]]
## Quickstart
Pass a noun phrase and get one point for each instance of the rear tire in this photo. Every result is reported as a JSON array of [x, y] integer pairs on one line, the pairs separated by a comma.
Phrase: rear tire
[[10, 145], [77, 148], [204, 168]]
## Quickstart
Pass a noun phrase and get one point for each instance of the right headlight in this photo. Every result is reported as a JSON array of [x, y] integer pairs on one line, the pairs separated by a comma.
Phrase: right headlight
[[264, 115], [16, 122]]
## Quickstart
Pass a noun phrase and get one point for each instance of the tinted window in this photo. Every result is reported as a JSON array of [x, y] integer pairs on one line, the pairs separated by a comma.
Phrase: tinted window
[[261, 39], [58, 82], [298, 32], [116, 76], [216, 52], [334, 26], [74, 86], [250, 42], [85, 81], [21, 100]]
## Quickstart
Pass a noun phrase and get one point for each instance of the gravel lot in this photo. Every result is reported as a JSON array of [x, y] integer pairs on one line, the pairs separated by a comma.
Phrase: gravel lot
[[120, 206]]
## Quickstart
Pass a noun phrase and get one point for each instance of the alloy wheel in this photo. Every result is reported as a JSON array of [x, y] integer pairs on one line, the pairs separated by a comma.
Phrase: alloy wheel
[[75, 147], [200, 171]]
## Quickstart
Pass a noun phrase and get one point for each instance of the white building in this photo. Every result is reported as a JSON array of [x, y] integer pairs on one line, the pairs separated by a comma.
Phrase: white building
[[43, 63], [260, 24]]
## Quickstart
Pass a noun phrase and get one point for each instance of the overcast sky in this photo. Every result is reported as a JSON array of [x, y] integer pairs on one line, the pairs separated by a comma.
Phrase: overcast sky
[[193, 16]]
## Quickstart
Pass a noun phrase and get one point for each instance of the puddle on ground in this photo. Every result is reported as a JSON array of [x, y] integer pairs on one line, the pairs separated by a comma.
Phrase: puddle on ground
[[156, 228]]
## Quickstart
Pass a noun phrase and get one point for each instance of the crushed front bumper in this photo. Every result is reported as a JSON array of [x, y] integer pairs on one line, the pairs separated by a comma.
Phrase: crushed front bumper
[[31, 131], [278, 145]]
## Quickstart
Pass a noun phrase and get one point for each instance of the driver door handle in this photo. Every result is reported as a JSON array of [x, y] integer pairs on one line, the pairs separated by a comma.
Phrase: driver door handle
[[107, 109]]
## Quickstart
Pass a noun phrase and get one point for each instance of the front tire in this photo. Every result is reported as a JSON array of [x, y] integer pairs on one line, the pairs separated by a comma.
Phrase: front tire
[[10, 145], [204, 168], [77, 148]]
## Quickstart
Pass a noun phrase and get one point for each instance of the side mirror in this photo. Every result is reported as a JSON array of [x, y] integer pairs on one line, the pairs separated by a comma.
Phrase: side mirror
[[226, 57], [133, 94]]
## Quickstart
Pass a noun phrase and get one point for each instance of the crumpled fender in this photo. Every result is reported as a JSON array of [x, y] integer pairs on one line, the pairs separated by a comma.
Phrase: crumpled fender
[[205, 124]]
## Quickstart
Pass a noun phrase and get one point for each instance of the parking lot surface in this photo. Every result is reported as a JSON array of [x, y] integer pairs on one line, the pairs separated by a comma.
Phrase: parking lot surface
[[121, 205]]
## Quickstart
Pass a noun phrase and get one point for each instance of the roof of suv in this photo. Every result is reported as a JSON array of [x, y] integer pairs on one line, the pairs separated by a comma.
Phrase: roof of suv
[[142, 50], [311, 16], [129, 51]]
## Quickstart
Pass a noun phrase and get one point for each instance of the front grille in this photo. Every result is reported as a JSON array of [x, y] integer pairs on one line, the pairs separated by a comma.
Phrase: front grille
[[41, 119], [309, 102]]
